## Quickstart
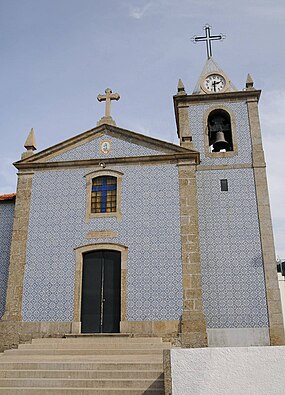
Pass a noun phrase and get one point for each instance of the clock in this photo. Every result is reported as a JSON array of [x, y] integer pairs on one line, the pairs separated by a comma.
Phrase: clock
[[214, 83]]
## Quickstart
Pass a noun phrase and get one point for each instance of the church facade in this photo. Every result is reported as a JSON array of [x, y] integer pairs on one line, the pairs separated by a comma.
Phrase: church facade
[[113, 231]]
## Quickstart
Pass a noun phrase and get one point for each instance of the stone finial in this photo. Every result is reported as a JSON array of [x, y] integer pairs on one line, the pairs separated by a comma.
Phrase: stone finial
[[249, 83], [109, 95], [30, 144], [180, 88]]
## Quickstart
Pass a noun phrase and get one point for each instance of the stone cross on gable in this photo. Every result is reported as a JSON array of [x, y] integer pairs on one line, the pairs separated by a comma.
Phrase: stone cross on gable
[[208, 38], [109, 95]]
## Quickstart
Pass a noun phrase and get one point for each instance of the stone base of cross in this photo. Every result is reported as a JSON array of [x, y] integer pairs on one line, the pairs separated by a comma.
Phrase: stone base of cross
[[109, 120]]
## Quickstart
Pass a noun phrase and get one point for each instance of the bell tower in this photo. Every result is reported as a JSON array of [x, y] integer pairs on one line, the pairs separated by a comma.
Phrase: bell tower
[[241, 298]]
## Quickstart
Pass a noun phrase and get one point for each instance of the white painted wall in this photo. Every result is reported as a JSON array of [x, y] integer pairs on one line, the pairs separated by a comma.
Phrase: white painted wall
[[228, 371]]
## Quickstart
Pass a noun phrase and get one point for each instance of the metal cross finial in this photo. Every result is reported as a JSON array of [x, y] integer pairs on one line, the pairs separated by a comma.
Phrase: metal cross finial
[[208, 38], [108, 97]]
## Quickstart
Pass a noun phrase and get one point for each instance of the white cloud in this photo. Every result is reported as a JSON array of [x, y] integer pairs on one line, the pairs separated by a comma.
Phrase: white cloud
[[139, 12]]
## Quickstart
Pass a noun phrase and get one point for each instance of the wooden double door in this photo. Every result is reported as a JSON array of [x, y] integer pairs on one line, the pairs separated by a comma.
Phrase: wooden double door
[[101, 292]]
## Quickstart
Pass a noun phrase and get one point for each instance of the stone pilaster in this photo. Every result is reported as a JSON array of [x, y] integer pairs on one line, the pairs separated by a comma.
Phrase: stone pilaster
[[14, 295], [276, 328], [193, 325], [184, 127]]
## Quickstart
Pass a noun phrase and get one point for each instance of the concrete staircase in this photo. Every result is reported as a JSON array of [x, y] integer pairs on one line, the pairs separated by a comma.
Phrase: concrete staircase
[[84, 364]]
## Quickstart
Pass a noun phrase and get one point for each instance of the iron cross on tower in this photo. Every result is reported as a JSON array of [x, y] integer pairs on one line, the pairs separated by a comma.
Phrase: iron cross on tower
[[208, 38], [108, 97]]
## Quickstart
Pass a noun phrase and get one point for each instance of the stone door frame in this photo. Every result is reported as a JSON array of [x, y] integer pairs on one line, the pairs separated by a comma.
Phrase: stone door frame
[[79, 251]]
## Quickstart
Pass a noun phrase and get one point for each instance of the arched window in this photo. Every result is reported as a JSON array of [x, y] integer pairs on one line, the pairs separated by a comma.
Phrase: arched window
[[220, 131], [104, 194]]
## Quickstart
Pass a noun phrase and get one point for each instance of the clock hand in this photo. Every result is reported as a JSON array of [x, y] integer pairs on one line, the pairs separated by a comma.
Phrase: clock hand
[[214, 84]]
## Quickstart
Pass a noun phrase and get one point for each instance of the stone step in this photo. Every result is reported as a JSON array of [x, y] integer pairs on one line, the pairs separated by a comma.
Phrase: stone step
[[82, 374], [134, 359], [84, 364], [79, 391], [98, 339], [80, 366], [104, 334], [86, 383], [65, 351], [94, 345]]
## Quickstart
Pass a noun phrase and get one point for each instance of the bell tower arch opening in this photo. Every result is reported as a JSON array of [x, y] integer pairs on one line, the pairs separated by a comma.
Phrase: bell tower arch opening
[[219, 129]]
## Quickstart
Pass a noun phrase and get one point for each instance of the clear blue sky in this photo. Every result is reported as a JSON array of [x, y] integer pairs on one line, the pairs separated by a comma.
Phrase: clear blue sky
[[57, 55]]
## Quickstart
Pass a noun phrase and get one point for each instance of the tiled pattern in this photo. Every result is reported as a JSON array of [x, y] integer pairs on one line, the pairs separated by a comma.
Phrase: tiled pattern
[[91, 150], [231, 260], [150, 228], [196, 118], [6, 225]]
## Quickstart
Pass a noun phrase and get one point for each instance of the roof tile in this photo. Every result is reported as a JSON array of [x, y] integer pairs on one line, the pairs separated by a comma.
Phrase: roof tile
[[8, 196]]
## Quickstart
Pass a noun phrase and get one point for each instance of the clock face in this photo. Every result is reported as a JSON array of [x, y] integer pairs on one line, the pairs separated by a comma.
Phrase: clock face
[[214, 83]]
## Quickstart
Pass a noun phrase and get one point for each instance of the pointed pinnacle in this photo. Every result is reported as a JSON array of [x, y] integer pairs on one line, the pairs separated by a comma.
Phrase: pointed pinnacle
[[249, 82], [30, 143], [180, 88]]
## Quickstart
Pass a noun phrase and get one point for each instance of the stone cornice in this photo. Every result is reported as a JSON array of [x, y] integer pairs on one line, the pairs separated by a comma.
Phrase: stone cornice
[[173, 158], [218, 96], [99, 131]]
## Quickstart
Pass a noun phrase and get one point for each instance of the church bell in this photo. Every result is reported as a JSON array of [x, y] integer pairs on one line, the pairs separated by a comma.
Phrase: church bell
[[219, 142]]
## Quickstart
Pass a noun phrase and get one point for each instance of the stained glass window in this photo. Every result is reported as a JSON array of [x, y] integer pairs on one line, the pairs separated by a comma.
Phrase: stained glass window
[[104, 195]]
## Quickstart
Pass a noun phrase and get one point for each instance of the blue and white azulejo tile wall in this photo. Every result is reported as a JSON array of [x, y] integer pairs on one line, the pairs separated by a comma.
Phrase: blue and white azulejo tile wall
[[150, 228], [91, 149], [231, 257], [6, 226], [196, 119]]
